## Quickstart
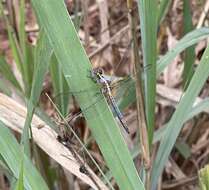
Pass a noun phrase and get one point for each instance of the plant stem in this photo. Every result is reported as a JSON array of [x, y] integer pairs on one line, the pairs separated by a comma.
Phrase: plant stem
[[139, 95]]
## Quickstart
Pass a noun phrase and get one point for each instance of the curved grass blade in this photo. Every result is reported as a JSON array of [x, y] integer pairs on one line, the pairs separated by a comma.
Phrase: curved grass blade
[[12, 155], [188, 40], [175, 124], [76, 66], [43, 55]]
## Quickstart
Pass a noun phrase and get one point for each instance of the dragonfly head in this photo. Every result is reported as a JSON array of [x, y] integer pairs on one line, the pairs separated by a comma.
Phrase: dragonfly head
[[98, 71]]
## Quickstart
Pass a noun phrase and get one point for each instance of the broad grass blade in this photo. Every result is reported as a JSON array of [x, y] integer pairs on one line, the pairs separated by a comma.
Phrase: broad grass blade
[[148, 26], [75, 64], [188, 40]]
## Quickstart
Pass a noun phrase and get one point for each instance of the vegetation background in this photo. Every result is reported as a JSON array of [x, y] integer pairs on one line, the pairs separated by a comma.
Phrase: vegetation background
[[157, 56]]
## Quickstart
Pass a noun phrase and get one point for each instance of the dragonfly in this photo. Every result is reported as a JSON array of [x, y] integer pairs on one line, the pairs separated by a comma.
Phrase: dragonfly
[[107, 84], [98, 77]]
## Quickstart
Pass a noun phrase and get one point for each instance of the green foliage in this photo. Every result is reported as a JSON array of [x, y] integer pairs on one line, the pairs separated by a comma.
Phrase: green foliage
[[43, 54], [60, 86], [175, 124], [60, 52], [8, 74], [163, 8], [20, 183], [75, 66], [13, 156], [204, 178]]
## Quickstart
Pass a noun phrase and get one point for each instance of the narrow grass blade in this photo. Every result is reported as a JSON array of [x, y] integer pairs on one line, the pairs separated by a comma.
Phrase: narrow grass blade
[[4, 168], [13, 42], [12, 154], [163, 8], [188, 40], [77, 18], [4, 87], [42, 58], [148, 26], [175, 124], [29, 66], [59, 85], [189, 55], [8, 74], [22, 44], [76, 66], [21, 27]]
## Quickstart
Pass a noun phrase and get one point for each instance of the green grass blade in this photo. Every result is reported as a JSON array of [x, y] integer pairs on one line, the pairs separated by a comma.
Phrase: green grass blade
[[42, 59], [197, 109], [26, 51], [29, 66], [4, 87], [188, 40], [10, 150], [148, 26], [175, 124], [189, 56], [75, 65], [13, 42], [8, 74], [164, 5], [21, 27], [20, 183], [15, 49], [59, 86]]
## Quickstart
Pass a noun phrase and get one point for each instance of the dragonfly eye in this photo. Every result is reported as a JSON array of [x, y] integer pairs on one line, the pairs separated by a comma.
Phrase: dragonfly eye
[[98, 71]]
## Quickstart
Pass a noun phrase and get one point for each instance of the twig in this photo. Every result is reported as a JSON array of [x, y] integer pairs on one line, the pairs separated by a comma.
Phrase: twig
[[203, 15], [13, 115], [105, 37]]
